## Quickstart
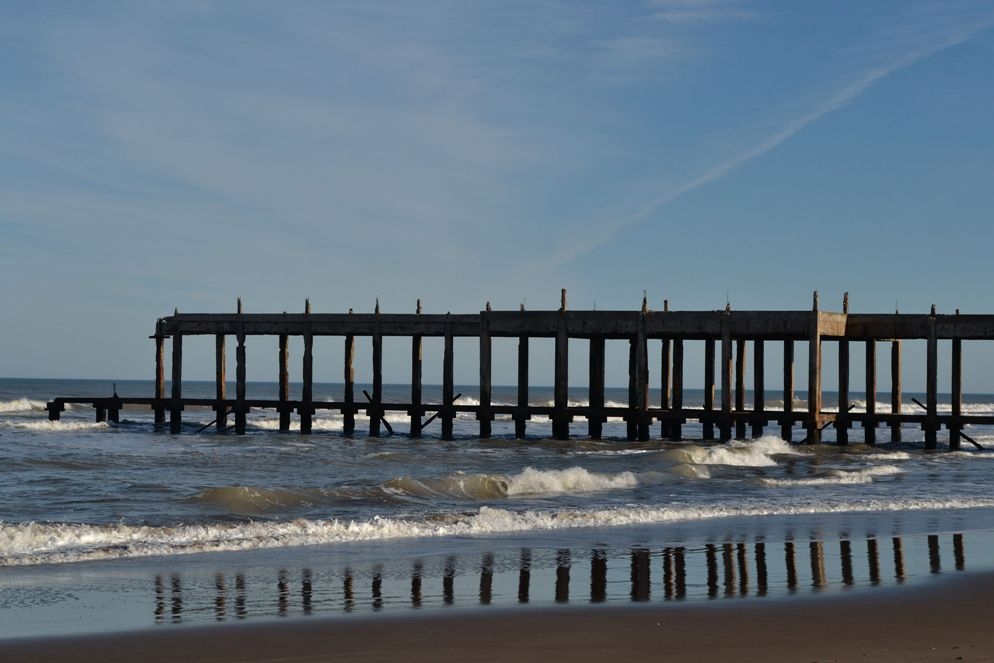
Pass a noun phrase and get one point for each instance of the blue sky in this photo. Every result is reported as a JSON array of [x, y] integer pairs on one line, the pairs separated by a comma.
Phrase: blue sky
[[161, 155]]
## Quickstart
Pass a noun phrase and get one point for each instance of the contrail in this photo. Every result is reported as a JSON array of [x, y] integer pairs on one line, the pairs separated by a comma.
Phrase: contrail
[[601, 233]]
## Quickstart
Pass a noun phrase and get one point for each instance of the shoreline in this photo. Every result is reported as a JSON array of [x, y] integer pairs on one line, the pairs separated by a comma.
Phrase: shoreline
[[936, 621]]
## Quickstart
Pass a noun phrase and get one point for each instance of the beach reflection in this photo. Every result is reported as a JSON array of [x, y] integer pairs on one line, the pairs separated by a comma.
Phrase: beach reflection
[[712, 571]]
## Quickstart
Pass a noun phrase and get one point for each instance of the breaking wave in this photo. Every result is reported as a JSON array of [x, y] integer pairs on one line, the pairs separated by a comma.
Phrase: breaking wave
[[46, 543], [837, 477]]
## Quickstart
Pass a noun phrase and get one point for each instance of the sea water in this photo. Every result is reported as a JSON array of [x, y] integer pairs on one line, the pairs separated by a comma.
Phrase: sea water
[[106, 526]]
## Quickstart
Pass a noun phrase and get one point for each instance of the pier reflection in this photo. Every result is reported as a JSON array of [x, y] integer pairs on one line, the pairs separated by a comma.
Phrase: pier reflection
[[641, 574]]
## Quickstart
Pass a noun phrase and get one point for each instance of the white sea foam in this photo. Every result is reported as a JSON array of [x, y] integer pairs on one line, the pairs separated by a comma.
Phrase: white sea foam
[[43, 543], [60, 426], [569, 481], [528, 482], [837, 477], [887, 455], [21, 405], [754, 453]]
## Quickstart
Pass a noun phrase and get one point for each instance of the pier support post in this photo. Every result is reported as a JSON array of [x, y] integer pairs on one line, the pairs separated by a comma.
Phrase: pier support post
[[160, 378], [522, 416], [842, 418], [664, 385], [284, 395], [220, 383], [895, 388], [631, 422], [758, 388], [931, 425], [870, 425], [726, 377], [787, 424], [676, 424], [707, 421], [448, 382], [955, 426], [483, 413], [306, 409], [560, 415], [417, 357], [642, 379], [638, 379], [176, 408], [595, 421], [348, 395], [375, 409], [241, 409], [814, 376], [740, 367]]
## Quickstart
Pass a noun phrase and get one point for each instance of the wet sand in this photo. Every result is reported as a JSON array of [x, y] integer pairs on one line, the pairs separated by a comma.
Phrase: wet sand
[[945, 620]]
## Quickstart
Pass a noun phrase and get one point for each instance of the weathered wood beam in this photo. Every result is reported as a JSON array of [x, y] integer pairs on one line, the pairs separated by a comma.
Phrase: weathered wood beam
[[595, 422], [284, 379], [220, 383], [483, 413], [676, 425], [787, 423], [956, 378], [176, 409], [241, 409], [895, 388], [870, 426], [758, 388]]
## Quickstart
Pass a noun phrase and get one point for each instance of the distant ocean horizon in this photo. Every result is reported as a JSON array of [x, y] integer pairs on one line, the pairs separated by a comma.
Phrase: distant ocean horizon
[[86, 504]]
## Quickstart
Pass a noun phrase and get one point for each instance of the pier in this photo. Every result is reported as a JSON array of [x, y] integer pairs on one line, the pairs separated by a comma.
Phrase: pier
[[726, 334]]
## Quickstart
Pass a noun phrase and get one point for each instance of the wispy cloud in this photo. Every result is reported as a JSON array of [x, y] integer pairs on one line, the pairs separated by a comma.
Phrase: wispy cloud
[[903, 45]]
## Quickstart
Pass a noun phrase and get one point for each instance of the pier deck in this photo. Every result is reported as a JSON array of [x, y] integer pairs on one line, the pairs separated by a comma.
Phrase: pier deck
[[726, 335]]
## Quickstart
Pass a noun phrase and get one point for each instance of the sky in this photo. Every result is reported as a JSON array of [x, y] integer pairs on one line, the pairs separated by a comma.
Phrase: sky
[[177, 155]]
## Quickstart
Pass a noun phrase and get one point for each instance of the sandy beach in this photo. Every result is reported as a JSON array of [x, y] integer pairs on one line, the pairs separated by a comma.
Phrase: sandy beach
[[946, 620]]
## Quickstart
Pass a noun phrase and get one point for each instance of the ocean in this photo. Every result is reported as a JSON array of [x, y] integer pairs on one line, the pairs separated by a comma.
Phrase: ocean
[[117, 526]]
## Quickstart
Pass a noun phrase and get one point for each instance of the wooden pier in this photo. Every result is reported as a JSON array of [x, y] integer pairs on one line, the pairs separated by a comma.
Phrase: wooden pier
[[726, 335]]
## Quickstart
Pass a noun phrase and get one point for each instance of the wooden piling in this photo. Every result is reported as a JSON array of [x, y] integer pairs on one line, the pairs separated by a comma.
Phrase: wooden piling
[[220, 383], [241, 409], [676, 424], [374, 409], [595, 422], [642, 379], [707, 422], [160, 378], [483, 413], [631, 421], [448, 384], [284, 396], [726, 378], [664, 384], [895, 388], [842, 418], [955, 426], [758, 388], [522, 416], [931, 425], [348, 394], [417, 359], [306, 409], [814, 377], [740, 367], [787, 423], [560, 416], [176, 407], [870, 425]]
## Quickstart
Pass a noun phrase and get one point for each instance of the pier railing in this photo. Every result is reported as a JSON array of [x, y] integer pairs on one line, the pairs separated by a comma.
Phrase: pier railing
[[726, 335]]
